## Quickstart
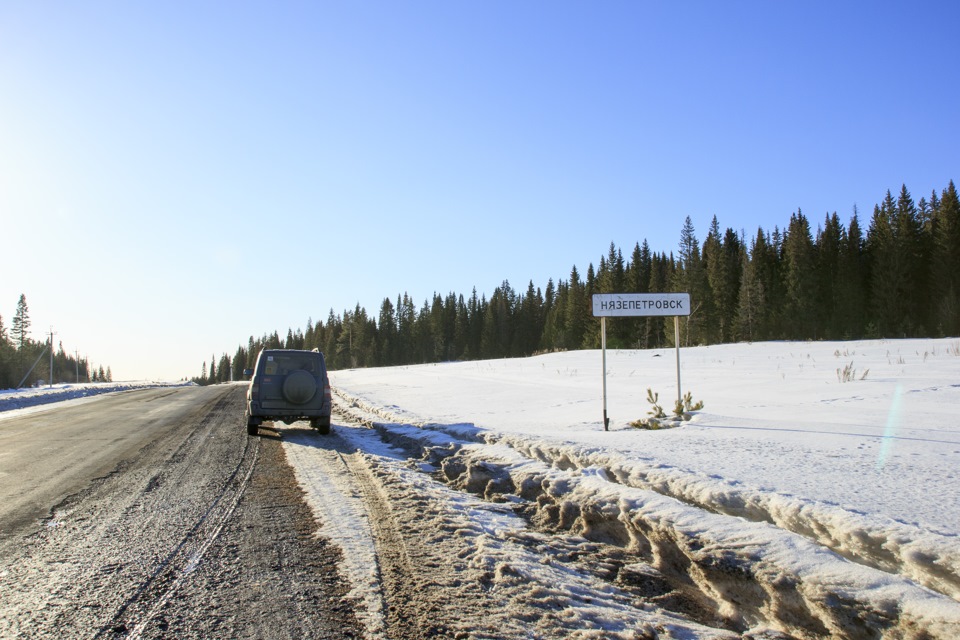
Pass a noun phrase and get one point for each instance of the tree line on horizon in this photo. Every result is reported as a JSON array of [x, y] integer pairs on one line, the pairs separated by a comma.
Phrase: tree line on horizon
[[898, 278], [18, 353]]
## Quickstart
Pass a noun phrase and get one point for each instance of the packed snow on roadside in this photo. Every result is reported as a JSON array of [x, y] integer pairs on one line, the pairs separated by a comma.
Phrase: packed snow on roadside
[[818, 484]]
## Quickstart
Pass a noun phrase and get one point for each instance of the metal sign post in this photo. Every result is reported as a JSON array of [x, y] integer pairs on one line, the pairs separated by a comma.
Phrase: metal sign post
[[676, 344], [603, 348], [638, 304]]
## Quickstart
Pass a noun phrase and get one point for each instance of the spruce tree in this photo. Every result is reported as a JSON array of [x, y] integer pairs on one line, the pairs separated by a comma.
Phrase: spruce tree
[[406, 319], [726, 284], [239, 362], [20, 328], [556, 334], [549, 338], [612, 278], [828, 250], [5, 358], [388, 333], [636, 280], [883, 274], [893, 242], [661, 274], [224, 370], [851, 284], [475, 313], [714, 329], [461, 328], [529, 325], [750, 299], [439, 339], [638, 272], [945, 289], [328, 346], [578, 306], [799, 263], [911, 246], [690, 277]]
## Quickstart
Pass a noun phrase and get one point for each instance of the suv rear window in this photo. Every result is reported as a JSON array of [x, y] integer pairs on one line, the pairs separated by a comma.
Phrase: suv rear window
[[283, 364]]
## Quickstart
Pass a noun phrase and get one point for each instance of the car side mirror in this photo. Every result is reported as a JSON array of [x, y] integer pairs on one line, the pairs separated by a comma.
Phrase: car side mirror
[[247, 373]]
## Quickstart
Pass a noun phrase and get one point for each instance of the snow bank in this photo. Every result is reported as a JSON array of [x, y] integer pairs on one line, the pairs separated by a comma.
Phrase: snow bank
[[805, 499], [481, 551], [756, 574]]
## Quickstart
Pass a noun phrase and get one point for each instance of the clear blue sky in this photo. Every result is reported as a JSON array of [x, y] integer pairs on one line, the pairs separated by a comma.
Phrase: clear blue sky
[[175, 177]]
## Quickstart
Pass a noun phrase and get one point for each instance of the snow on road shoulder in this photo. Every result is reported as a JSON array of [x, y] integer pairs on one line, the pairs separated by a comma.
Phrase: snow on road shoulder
[[338, 505], [490, 574]]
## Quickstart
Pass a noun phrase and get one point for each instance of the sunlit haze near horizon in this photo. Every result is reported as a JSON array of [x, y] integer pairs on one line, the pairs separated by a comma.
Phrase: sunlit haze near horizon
[[176, 177]]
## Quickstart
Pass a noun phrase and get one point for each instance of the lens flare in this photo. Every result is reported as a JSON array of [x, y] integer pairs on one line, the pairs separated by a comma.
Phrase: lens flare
[[893, 419]]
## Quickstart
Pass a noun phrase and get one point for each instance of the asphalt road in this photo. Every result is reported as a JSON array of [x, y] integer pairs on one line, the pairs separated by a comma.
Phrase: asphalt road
[[150, 514]]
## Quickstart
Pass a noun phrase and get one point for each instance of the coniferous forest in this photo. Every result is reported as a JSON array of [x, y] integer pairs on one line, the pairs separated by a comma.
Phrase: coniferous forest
[[895, 274], [25, 362]]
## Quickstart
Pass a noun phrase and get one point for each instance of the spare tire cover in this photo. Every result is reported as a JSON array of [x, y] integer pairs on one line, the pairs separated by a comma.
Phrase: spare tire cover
[[299, 387]]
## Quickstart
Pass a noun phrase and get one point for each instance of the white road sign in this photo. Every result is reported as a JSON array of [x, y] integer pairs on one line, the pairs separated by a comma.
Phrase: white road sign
[[641, 304]]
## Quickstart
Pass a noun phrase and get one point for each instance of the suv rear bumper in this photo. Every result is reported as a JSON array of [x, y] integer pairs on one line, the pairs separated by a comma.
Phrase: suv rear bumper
[[254, 410]]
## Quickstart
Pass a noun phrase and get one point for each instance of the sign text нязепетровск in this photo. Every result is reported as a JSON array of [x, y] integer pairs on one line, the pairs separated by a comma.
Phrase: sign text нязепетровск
[[638, 304], [641, 304]]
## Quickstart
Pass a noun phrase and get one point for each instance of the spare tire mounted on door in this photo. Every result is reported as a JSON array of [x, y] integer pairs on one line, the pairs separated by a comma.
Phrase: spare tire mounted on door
[[299, 387], [289, 385]]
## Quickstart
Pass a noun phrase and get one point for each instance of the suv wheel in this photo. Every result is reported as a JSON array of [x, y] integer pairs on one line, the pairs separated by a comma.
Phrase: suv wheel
[[322, 425], [253, 428]]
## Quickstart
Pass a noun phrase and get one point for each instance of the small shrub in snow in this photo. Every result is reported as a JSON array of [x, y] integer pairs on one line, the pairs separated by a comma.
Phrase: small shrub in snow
[[685, 407], [656, 411], [657, 417]]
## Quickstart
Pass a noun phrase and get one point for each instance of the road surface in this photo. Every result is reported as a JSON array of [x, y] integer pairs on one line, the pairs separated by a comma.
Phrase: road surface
[[151, 514]]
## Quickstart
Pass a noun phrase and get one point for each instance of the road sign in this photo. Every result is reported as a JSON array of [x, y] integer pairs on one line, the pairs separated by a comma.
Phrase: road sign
[[607, 305], [640, 304]]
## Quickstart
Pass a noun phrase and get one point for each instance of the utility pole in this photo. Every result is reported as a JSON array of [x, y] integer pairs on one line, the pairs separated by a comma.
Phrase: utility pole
[[51, 356]]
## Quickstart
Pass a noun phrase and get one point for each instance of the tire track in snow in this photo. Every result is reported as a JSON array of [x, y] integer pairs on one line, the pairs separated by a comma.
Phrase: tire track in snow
[[184, 557], [931, 559], [755, 572]]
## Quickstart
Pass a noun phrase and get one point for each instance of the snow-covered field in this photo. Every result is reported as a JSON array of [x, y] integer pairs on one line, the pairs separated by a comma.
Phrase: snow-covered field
[[833, 493]]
